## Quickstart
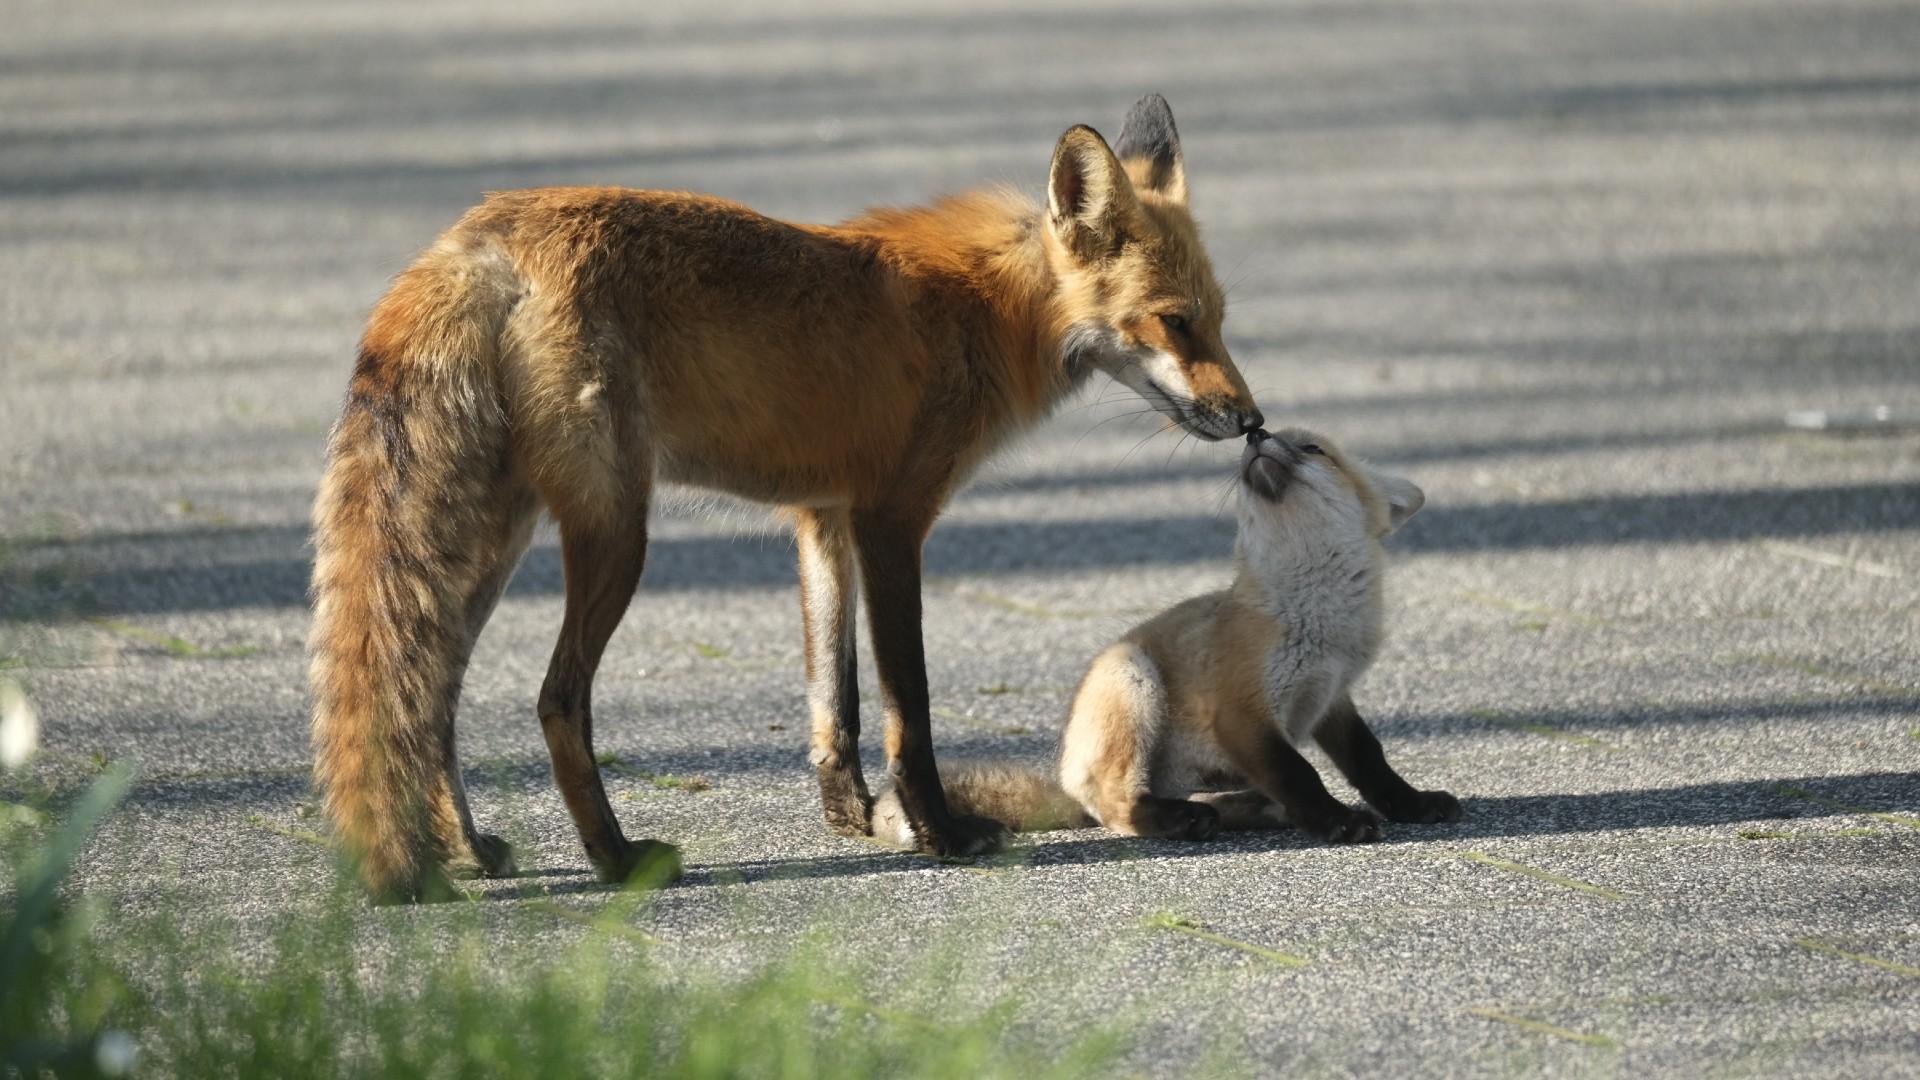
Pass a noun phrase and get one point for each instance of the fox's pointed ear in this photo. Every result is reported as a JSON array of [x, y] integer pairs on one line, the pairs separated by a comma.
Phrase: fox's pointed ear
[[1404, 498], [1088, 194], [1149, 147]]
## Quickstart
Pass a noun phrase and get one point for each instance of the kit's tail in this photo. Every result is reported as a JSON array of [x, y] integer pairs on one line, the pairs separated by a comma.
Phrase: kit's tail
[[1021, 797]]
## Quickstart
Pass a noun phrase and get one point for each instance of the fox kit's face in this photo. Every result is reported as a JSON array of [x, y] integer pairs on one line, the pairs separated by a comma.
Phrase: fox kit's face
[[1299, 481], [1139, 293]]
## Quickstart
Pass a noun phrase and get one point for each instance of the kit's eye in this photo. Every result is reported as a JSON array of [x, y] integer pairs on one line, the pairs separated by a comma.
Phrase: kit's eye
[[1175, 323], [1312, 448]]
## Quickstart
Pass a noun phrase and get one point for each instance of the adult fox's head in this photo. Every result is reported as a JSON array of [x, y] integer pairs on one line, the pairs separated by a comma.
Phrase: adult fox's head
[[1137, 291]]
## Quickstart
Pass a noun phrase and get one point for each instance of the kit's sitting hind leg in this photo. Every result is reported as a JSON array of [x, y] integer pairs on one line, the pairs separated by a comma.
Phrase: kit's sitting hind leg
[[1242, 810], [1171, 819], [1118, 721]]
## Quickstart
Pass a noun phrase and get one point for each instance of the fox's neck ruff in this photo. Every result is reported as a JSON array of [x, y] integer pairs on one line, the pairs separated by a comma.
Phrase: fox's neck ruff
[[994, 244], [1320, 577]]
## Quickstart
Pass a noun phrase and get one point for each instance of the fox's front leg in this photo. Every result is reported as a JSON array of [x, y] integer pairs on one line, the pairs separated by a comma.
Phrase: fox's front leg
[[889, 553], [1290, 778], [1357, 753], [829, 596], [1282, 774]]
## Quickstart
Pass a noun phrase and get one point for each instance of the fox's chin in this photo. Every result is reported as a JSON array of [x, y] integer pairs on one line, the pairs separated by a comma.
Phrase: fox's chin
[[1266, 478], [1207, 427], [1198, 429]]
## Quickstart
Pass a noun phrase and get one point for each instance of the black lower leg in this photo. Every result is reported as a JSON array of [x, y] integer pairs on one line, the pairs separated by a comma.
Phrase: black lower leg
[[1358, 755], [844, 797], [890, 571], [1292, 781]]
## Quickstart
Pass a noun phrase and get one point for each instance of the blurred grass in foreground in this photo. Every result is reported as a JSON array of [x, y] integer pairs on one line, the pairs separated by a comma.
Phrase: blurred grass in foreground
[[88, 995]]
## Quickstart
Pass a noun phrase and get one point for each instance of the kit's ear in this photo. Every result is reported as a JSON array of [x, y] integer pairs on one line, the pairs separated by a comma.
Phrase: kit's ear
[[1404, 498]]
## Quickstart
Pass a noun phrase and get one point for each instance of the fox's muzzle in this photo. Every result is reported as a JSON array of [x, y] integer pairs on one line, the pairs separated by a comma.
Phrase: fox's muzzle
[[1214, 422], [1267, 464]]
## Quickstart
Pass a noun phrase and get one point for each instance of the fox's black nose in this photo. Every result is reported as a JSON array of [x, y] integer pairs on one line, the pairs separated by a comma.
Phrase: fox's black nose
[[1251, 421]]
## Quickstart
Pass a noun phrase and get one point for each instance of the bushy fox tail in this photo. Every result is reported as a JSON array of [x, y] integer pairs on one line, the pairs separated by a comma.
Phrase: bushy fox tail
[[414, 532], [1021, 797]]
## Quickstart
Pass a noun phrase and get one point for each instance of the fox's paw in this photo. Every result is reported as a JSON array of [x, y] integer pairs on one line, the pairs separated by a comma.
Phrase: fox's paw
[[1424, 808], [963, 837], [1341, 824], [1175, 819], [651, 863], [848, 812], [844, 799], [486, 856], [890, 822], [1202, 821]]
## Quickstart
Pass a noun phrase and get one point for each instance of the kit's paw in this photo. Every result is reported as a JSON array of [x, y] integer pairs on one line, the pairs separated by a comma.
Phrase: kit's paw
[[1340, 824]]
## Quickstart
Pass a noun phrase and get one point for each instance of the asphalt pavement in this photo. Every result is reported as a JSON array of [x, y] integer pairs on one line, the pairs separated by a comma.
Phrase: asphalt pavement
[[1571, 267]]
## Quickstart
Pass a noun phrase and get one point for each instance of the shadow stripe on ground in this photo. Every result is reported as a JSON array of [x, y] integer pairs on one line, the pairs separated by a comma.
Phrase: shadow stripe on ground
[[201, 582]]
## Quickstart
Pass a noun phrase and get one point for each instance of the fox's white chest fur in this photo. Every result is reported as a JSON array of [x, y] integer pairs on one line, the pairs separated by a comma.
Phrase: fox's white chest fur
[[1317, 576]]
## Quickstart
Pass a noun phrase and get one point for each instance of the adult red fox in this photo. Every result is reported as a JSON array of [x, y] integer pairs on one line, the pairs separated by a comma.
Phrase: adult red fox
[[565, 348]]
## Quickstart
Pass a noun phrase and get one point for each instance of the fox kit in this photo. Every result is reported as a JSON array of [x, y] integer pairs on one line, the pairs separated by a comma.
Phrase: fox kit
[[1190, 723], [565, 349]]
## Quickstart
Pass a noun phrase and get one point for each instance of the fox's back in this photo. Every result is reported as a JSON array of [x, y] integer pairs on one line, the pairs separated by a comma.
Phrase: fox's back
[[784, 362]]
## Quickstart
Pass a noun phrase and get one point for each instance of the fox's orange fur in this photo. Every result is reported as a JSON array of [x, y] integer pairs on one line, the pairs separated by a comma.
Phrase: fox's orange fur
[[566, 348]]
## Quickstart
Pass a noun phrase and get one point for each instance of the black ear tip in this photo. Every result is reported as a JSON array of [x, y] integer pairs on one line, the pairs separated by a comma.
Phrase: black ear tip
[[1151, 112], [1149, 130]]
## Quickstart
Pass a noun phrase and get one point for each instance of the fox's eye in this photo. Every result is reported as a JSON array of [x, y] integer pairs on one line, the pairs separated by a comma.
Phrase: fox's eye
[[1312, 448], [1175, 323]]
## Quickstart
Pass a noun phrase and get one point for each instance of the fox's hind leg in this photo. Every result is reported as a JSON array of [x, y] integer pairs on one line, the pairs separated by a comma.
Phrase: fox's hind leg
[[603, 556], [829, 597], [1244, 809], [1170, 819], [505, 524], [470, 852], [1107, 752]]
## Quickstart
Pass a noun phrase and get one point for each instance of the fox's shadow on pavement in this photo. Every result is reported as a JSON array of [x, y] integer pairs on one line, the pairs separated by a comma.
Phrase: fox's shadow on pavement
[[747, 764], [1487, 817]]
